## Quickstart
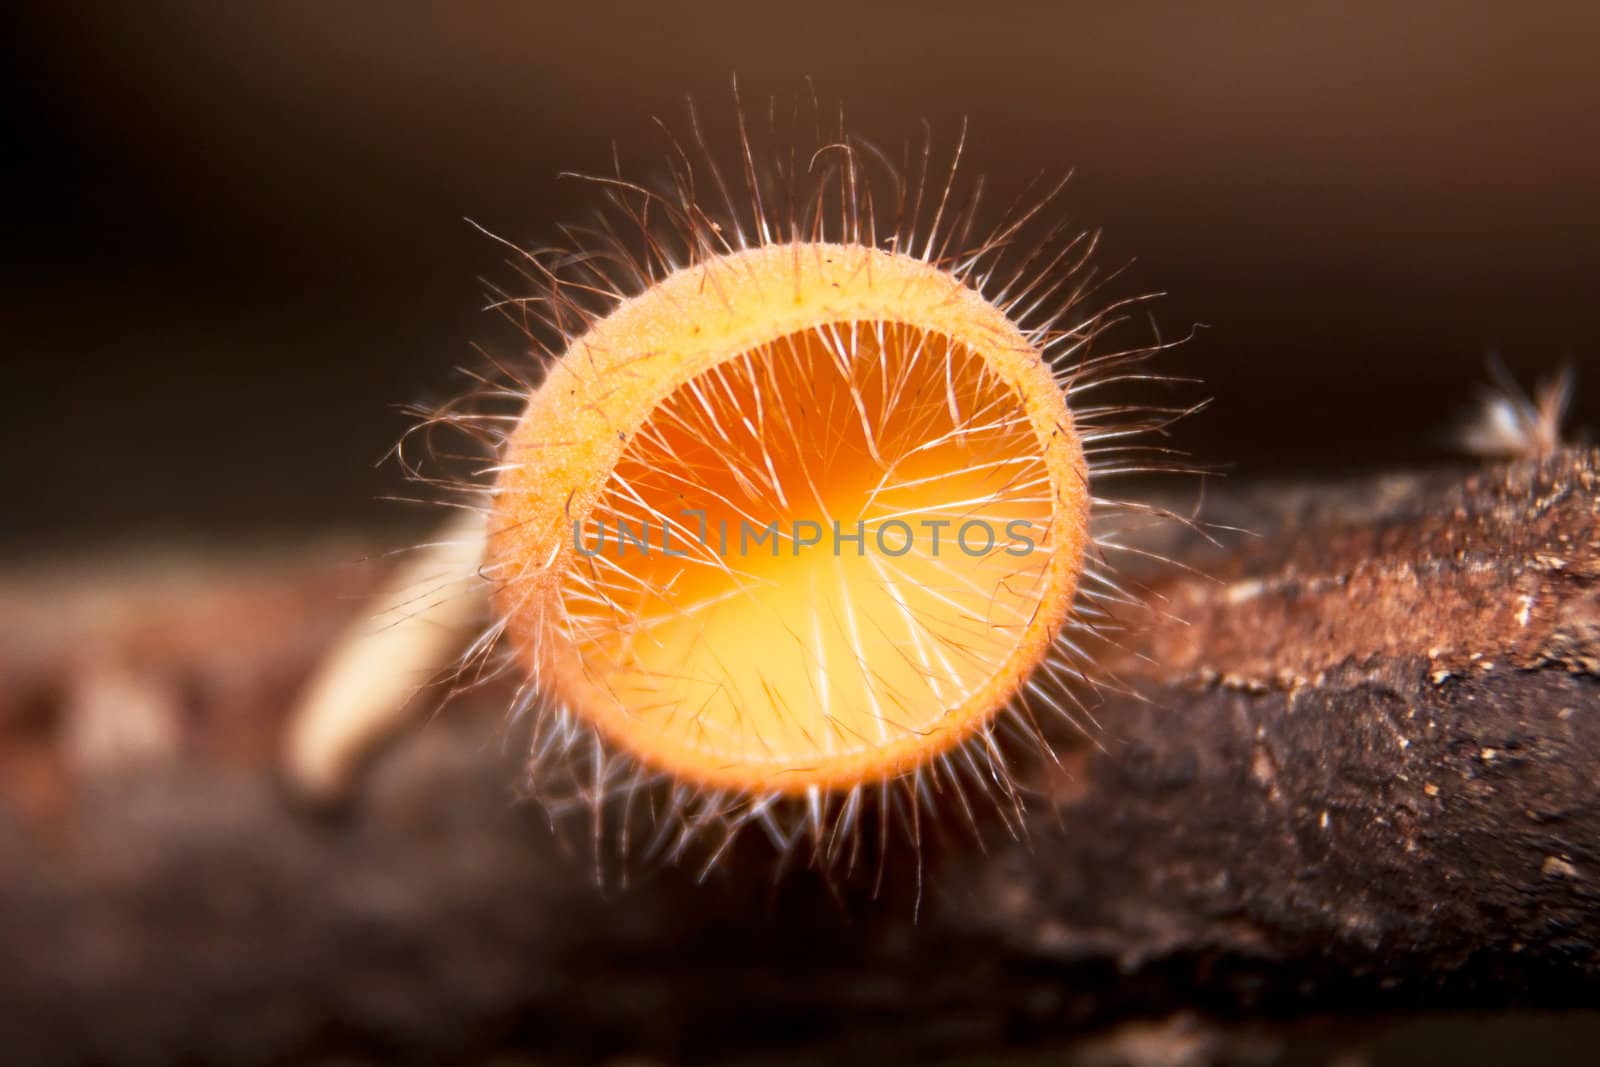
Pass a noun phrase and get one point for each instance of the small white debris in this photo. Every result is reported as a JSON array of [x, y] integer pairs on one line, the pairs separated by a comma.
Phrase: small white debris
[[1239, 592], [1556, 867], [1509, 424]]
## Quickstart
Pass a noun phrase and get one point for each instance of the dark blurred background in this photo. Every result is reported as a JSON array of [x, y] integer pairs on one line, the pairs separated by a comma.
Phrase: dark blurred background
[[235, 236]]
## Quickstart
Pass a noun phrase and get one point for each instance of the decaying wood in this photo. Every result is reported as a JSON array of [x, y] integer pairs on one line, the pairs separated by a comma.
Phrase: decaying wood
[[1363, 774]]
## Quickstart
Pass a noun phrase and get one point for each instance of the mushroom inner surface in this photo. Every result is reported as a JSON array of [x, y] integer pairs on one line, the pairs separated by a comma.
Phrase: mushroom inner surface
[[826, 546]]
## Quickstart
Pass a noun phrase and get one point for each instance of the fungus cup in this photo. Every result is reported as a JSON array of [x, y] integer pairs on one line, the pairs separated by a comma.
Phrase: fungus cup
[[846, 509], [792, 526]]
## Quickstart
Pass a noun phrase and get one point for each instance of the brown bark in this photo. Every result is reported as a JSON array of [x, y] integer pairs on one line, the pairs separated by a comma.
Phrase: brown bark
[[1363, 775]]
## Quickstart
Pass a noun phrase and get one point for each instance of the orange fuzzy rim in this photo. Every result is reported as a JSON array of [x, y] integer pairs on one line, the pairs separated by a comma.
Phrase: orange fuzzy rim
[[791, 384]]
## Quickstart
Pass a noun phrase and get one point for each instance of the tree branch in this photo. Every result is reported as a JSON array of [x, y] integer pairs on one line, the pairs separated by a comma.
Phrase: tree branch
[[1363, 773]]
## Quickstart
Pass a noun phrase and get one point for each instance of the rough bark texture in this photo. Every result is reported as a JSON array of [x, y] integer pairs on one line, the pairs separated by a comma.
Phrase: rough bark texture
[[1363, 776]]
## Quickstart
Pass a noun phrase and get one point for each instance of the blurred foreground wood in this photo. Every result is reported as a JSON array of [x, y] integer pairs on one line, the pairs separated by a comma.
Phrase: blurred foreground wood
[[1365, 778]]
